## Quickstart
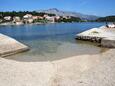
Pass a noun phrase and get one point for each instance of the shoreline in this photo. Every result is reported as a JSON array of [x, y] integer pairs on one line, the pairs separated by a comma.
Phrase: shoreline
[[41, 23], [83, 70], [22, 24], [13, 24]]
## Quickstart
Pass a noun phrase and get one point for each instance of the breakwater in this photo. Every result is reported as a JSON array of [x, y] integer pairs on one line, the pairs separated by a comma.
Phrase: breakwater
[[104, 36]]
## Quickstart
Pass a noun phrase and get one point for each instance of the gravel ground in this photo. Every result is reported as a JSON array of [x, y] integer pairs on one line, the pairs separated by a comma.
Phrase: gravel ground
[[82, 70]]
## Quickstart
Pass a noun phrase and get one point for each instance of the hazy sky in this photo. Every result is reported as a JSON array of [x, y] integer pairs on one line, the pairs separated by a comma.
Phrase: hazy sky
[[92, 7]]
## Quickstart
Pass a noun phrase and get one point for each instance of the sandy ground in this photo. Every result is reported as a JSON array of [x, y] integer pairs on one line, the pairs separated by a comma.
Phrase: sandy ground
[[84, 70]]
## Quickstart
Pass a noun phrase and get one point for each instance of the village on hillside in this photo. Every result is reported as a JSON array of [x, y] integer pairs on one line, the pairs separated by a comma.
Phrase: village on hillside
[[37, 19]]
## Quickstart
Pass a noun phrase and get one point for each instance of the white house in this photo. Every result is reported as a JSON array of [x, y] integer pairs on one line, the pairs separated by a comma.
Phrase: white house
[[8, 18], [28, 18], [16, 19], [0, 20], [51, 19]]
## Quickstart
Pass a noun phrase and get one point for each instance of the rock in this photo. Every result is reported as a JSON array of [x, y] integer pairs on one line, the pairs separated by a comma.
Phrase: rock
[[105, 36], [9, 46], [108, 42]]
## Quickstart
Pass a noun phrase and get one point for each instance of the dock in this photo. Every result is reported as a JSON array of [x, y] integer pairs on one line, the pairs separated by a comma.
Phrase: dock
[[9, 46], [103, 35]]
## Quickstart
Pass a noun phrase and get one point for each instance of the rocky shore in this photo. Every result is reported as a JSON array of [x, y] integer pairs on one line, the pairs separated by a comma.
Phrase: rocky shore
[[103, 35]]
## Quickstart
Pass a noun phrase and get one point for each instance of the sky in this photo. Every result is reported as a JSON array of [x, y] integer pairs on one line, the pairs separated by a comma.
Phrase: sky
[[91, 7]]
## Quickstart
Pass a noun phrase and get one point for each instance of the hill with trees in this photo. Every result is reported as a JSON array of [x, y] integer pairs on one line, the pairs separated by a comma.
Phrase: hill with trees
[[106, 19]]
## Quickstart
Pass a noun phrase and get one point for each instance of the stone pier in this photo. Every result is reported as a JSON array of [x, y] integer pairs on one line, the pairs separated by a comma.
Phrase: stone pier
[[104, 36]]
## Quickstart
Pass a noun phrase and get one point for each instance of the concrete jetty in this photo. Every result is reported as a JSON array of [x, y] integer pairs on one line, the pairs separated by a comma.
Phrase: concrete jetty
[[9, 46], [103, 35]]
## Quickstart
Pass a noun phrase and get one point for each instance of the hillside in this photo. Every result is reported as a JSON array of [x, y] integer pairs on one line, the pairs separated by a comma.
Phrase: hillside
[[67, 13], [107, 18]]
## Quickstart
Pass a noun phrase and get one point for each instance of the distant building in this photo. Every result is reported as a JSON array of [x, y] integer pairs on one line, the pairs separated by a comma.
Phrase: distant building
[[28, 18], [50, 19], [7, 18], [45, 16], [57, 17], [1, 20], [67, 17], [17, 20], [40, 17], [35, 17]]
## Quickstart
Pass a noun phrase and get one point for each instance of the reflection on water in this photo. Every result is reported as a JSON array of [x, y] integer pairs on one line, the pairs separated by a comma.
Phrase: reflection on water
[[51, 41]]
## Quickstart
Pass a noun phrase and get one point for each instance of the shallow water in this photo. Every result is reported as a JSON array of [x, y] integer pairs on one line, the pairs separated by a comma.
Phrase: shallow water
[[51, 41]]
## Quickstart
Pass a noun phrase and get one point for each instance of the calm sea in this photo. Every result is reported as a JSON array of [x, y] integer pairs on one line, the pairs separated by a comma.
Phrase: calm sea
[[50, 42]]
